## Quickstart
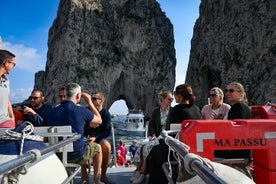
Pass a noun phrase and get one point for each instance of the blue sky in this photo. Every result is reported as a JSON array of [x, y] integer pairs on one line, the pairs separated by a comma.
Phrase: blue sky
[[24, 31]]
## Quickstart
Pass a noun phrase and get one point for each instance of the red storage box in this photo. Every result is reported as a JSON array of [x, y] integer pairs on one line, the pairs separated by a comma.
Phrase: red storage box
[[258, 135]]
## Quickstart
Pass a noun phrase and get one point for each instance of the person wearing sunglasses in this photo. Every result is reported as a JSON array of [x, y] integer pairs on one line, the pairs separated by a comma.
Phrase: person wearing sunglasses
[[159, 115], [61, 94], [217, 109], [157, 123], [100, 133], [236, 96], [7, 63], [186, 107], [35, 110]]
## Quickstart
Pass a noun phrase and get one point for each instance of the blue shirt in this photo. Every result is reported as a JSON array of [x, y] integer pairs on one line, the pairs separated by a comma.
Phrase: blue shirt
[[37, 119], [132, 149], [68, 113]]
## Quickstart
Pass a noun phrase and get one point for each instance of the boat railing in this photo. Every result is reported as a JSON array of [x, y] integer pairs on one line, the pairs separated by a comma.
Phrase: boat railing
[[114, 145], [34, 154], [135, 111], [195, 164], [146, 129]]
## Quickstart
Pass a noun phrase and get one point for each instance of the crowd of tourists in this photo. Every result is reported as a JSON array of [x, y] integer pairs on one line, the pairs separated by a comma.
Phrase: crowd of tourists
[[93, 122]]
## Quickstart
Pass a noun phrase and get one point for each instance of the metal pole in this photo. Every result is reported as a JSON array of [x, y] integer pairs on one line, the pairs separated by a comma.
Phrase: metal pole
[[60, 144], [200, 169], [30, 156], [147, 126], [114, 146]]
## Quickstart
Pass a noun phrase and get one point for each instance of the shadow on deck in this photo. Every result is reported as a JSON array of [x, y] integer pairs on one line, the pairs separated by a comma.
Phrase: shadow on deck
[[119, 175]]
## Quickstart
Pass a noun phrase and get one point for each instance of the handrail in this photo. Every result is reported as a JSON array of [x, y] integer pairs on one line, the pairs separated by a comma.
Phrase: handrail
[[200, 169], [146, 128], [31, 155]]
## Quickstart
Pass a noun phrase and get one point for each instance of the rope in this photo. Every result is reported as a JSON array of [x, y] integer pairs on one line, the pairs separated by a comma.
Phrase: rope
[[169, 161], [186, 162], [13, 175], [25, 134], [176, 156]]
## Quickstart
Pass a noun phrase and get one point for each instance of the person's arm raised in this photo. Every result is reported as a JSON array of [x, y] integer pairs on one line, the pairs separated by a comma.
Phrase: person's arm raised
[[97, 120]]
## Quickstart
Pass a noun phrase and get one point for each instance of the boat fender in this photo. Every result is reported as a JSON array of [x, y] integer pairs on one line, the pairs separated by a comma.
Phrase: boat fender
[[14, 144], [226, 173], [190, 157]]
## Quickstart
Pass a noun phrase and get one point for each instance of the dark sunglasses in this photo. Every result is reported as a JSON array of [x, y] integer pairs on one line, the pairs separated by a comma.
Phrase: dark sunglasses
[[94, 98], [33, 97], [170, 99], [213, 95], [12, 63], [230, 90]]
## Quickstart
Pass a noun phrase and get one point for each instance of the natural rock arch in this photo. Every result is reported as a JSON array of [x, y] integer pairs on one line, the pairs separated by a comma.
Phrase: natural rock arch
[[124, 49]]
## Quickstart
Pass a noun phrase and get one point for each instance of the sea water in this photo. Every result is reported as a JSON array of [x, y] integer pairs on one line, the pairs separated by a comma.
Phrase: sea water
[[127, 137]]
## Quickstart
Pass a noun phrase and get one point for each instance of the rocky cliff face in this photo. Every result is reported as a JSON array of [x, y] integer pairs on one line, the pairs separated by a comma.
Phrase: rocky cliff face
[[235, 41], [123, 48]]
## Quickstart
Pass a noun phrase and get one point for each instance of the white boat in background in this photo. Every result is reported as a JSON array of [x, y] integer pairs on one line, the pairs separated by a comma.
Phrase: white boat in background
[[132, 124], [135, 120], [118, 120]]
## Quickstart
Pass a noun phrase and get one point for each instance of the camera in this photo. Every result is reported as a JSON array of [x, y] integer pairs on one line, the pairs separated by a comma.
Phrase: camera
[[22, 109]]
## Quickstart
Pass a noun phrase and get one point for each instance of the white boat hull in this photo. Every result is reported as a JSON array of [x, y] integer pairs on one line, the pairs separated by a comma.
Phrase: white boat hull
[[46, 170]]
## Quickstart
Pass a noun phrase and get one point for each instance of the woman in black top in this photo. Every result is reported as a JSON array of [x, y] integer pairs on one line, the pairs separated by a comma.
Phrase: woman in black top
[[236, 96], [186, 109]]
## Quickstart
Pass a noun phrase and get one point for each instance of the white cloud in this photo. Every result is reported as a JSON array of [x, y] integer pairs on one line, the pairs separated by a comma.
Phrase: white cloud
[[27, 58], [18, 95]]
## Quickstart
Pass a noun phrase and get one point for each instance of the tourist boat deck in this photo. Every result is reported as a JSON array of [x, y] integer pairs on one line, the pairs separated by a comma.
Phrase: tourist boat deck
[[119, 175], [195, 133]]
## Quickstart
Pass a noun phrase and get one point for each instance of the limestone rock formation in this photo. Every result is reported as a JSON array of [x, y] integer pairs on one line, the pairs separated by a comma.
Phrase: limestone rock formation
[[123, 48], [235, 41]]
